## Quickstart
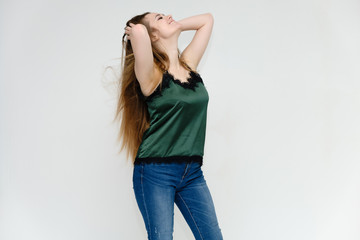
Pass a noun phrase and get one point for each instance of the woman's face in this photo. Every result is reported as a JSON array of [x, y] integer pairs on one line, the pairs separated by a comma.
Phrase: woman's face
[[164, 26]]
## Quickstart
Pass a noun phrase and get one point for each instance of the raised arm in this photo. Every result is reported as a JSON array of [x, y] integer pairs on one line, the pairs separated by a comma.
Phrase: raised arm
[[203, 25], [144, 62]]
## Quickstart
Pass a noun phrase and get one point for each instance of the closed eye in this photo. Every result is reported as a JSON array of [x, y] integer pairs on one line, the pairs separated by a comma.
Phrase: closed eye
[[160, 18]]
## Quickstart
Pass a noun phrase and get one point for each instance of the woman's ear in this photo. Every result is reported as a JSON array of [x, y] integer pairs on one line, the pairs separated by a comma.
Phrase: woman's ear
[[154, 37]]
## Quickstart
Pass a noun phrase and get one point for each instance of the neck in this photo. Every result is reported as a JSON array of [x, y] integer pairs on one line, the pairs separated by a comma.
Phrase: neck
[[170, 47]]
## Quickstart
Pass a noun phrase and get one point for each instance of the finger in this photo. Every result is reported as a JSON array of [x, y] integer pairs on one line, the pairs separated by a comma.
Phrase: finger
[[126, 37]]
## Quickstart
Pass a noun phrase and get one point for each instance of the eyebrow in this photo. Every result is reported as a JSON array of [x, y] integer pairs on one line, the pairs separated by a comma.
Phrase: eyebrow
[[159, 15]]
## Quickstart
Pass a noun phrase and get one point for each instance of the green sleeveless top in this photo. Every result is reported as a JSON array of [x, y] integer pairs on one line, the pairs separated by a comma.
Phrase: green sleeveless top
[[177, 113]]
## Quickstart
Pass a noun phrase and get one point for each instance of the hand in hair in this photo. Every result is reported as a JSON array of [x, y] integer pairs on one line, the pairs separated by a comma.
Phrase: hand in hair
[[133, 28]]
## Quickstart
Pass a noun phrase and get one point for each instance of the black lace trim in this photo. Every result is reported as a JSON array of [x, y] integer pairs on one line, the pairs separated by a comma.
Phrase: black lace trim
[[165, 83], [191, 83], [170, 159]]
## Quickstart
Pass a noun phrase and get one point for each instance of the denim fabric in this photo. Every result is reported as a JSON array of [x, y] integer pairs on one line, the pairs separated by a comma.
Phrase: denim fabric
[[157, 186]]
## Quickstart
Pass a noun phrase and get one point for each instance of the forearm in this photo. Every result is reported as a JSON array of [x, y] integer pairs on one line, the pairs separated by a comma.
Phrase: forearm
[[196, 22]]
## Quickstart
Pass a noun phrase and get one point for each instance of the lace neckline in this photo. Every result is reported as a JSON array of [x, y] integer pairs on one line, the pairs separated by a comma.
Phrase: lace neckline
[[176, 79], [191, 80]]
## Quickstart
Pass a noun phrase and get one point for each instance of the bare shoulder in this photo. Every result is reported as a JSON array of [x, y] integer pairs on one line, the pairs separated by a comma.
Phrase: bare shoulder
[[149, 86]]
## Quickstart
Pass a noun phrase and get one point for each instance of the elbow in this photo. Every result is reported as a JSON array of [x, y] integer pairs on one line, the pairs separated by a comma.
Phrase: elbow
[[210, 17]]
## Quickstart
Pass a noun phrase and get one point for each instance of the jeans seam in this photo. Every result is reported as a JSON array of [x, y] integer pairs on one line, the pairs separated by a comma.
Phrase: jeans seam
[[184, 174], [142, 189], [191, 215], [186, 171]]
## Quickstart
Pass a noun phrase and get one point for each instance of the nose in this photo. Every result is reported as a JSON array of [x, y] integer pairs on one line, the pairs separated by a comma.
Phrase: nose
[[169, 17]]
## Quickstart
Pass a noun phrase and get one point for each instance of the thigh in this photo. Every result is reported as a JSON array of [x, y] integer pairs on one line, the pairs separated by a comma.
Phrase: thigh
[[196, 204], [155, 201]]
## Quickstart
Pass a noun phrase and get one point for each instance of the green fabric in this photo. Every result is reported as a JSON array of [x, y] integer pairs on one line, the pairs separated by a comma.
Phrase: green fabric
[[177, 119]]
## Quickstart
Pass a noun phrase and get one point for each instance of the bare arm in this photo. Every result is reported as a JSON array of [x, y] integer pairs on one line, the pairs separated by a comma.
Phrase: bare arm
[[144, 60], [203, 25]]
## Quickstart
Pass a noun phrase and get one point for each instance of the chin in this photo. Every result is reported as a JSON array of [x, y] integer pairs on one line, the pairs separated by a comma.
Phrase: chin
[[175, 23], [176, 26]]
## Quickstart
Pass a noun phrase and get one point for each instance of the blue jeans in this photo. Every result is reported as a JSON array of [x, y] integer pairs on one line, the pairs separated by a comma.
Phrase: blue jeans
[[157, 186]]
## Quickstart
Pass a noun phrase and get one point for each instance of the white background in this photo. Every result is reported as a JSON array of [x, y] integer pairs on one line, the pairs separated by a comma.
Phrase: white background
[[282, 147]]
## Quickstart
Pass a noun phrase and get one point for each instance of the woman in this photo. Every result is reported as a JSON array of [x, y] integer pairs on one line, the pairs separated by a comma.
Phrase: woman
[[163, 102]]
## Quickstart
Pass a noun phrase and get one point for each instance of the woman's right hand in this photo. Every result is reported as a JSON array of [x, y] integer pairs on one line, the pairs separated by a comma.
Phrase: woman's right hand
[[129, 30]]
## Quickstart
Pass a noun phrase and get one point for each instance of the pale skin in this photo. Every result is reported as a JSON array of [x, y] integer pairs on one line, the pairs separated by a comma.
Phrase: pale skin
[[165, 34]]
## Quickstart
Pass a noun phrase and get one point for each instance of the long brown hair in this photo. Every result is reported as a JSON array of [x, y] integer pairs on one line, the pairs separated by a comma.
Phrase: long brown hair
[[131, 108]]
